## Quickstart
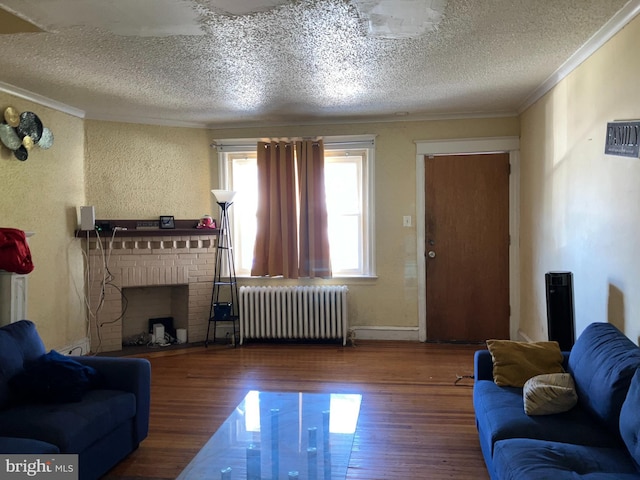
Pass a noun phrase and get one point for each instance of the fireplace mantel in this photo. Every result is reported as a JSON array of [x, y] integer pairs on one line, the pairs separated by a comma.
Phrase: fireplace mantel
[[129, 228]]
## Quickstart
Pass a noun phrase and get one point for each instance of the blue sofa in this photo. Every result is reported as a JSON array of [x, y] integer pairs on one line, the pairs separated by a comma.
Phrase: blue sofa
[[598, 439], [104, 417]]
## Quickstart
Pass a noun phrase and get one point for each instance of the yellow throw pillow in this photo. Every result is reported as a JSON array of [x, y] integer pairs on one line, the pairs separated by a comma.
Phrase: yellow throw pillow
[[516, 362]]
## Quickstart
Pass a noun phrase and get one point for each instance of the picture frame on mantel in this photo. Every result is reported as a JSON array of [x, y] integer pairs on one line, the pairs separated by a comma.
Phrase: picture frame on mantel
[[167, 222]]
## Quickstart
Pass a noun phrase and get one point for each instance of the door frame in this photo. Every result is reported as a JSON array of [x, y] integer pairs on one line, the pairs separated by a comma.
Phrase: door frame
[[510, 145]]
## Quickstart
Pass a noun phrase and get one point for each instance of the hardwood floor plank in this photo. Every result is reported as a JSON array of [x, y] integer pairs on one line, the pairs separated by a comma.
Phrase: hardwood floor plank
[[414, 422]]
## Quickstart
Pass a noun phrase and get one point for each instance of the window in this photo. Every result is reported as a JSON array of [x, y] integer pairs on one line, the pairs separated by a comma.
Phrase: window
[[348, 182]]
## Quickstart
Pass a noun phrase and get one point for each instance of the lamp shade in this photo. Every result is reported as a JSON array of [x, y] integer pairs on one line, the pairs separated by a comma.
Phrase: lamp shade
[[223, 196]]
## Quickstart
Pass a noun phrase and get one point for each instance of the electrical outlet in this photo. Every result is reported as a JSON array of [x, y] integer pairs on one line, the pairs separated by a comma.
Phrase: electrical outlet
[[406, 221]]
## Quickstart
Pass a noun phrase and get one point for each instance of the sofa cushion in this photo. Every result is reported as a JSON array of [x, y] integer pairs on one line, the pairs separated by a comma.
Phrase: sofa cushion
[[72, 427], [19, 343], [14, 445], [524, 459], [602, 363], [630, 419], [500, 415], [516, 362], [53, 378], [549, 394]]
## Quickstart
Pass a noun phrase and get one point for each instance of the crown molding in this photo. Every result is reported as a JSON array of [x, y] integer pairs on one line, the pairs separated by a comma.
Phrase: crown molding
[[143, 120], [40, 100], [597, 40]]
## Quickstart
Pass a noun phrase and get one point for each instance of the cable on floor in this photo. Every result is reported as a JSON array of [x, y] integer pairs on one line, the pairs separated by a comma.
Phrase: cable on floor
[[462, 377]]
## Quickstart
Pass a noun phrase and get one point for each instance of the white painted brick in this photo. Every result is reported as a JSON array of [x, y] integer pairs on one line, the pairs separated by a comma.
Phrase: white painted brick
[[183, 261], [174, 262]]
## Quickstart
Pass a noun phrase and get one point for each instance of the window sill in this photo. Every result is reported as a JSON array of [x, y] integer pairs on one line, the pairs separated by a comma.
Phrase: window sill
[[353, 280]]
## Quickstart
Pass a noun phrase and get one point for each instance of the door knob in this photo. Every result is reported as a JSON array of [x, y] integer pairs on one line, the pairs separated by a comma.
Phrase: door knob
[[431, 254]]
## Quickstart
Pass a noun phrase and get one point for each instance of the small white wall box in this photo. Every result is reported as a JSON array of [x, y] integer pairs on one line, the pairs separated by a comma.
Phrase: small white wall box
[[87, 218]]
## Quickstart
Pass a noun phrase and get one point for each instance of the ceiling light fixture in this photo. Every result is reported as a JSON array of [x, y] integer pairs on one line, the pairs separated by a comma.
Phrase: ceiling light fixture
[[396, 19]]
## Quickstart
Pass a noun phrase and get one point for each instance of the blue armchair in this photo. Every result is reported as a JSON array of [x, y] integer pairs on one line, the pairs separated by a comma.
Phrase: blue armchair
[[103, 424]]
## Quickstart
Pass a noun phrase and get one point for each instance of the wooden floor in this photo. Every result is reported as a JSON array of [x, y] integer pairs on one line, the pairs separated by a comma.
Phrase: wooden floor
[[414, 422]]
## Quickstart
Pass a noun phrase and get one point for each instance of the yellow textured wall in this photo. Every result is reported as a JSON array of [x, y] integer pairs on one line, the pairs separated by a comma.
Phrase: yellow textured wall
[[41, 195], [580, 209], [144, 171], [392, 298], [138, 171]]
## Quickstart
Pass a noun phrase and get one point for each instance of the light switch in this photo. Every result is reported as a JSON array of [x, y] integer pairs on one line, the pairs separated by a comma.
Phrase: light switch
[[406, 221]]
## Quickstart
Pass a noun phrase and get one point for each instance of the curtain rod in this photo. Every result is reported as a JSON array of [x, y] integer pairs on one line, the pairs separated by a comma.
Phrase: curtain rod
[[346, 143], [315, 142]]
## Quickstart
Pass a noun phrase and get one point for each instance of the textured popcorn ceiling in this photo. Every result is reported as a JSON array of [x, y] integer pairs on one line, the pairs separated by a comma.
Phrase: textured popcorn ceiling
[[241, 62]]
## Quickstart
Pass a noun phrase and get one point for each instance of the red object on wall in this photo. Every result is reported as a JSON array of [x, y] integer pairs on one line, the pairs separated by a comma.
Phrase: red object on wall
[[15, 255]]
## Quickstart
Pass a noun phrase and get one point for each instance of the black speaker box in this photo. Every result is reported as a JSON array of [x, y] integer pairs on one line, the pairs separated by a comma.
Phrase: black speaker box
[[222, 311], [560, 314]]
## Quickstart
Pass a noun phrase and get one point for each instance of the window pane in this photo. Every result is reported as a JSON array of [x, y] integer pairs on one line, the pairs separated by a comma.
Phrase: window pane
[[344, 242], [342, 187], [244, 176]]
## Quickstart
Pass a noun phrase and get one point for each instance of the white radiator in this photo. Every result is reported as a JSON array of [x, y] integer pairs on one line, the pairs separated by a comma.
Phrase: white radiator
[[302, 312]]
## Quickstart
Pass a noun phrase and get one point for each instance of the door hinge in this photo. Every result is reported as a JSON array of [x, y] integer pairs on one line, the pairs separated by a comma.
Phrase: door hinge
[[509, 168]]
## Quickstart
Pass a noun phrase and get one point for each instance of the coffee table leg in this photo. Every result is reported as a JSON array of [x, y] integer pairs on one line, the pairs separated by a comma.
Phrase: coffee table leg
[[312, 463], [326, 444], [313, 437], [275, 443], [253, 463]]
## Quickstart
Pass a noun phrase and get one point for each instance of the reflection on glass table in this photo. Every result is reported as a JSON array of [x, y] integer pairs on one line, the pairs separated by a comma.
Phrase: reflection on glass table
[[277, 435]]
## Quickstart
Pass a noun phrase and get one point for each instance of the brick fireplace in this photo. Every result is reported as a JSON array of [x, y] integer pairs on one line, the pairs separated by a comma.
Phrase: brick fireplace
[[145, 261]]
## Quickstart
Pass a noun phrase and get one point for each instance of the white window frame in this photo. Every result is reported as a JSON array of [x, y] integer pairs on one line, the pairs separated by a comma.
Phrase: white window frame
[[359, 142]]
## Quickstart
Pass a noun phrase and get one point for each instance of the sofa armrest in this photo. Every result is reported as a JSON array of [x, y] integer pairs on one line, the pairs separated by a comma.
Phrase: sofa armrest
[[130, 375], [482, 365]]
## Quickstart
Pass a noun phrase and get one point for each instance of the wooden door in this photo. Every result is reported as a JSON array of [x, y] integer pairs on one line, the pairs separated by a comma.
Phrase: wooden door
[[467, 247]]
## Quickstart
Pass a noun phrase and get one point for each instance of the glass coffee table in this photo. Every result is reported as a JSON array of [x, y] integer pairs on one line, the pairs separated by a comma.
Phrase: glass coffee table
[[277, 435]]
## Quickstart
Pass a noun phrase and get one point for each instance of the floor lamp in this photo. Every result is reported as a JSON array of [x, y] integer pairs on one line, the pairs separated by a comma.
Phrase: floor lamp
[[224, 278]]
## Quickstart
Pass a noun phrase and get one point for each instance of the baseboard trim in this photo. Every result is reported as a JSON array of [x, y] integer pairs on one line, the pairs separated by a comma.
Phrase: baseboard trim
[[386, 333], [410, 334]]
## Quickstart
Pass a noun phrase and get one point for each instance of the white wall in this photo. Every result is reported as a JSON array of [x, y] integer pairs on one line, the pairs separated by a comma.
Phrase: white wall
[[580, 208], [42, 195]]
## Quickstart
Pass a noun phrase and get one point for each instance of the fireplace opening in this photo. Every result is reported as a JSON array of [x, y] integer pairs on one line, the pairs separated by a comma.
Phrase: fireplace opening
[[145, 303]]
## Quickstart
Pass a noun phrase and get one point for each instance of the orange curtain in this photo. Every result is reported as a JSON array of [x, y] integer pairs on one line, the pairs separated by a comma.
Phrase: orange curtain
[[276, 247], [315, 260]]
